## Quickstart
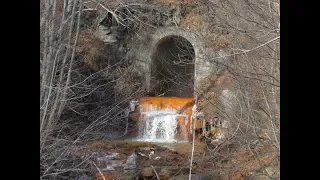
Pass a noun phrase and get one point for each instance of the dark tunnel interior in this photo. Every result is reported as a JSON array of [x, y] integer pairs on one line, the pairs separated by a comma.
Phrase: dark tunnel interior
[[172, 68]]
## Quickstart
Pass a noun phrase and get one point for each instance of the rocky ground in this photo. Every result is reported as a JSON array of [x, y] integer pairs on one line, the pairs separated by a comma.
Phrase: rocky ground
[[124, 159]]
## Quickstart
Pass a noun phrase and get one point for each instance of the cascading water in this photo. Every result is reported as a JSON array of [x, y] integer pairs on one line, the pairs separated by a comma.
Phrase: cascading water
[[158, 126], [164, 119]]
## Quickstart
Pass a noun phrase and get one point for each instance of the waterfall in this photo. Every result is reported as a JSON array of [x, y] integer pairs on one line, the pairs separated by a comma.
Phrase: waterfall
[[158, 126], [163, 119]]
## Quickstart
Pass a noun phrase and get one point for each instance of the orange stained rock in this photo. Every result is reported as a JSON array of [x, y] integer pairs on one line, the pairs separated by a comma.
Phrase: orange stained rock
[[183, 128], [182, 106]]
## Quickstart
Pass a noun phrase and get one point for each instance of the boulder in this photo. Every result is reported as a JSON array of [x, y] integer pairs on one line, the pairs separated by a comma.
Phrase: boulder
[[165, 174], [147, 173]]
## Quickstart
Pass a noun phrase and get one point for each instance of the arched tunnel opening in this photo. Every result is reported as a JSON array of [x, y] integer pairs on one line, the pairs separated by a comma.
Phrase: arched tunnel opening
[[172, 68]]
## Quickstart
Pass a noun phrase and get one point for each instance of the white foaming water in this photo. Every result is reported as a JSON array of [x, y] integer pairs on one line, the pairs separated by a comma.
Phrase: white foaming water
[[158, 126]]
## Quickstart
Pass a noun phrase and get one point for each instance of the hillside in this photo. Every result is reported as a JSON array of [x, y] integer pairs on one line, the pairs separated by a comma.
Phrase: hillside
[[197, 79]]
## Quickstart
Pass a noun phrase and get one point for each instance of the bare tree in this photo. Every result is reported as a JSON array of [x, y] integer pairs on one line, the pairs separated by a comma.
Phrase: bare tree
[[85, 88], [77, 101], [250, 103]]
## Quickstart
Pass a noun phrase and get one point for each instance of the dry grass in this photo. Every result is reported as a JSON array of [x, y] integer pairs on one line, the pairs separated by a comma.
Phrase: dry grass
[[100, 145], [248, 164], [106, 176], [221, 42], [169, 2], [91, 48], [192, 20]]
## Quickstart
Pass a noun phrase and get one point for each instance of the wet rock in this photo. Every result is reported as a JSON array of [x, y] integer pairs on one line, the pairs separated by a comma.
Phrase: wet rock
[[150, 154], [131, 162], [108, 168], [107, 160], [112, 156], [134, 116], [147, 173], [115, 163], [112, 164], [141, 151]]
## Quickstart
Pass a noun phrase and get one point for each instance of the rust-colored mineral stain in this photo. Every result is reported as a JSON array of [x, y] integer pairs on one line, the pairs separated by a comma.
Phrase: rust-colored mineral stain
[[178, 104], [182, 106]]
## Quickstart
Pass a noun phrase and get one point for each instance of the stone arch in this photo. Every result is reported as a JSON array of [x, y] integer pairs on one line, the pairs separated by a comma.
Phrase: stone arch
[[195, 40]]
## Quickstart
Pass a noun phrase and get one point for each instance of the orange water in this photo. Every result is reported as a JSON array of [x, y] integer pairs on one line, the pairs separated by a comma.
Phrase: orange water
[[181, 108]]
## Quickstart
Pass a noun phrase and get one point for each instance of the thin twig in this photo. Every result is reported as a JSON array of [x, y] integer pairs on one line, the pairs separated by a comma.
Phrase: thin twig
[[246, 51], [193, 137], [155, 172], [99, 170]]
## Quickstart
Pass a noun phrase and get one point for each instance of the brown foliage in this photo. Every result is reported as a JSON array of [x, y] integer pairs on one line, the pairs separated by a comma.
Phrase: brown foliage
[[221, 42], [192, 20], [169, 2], [91, 48]]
